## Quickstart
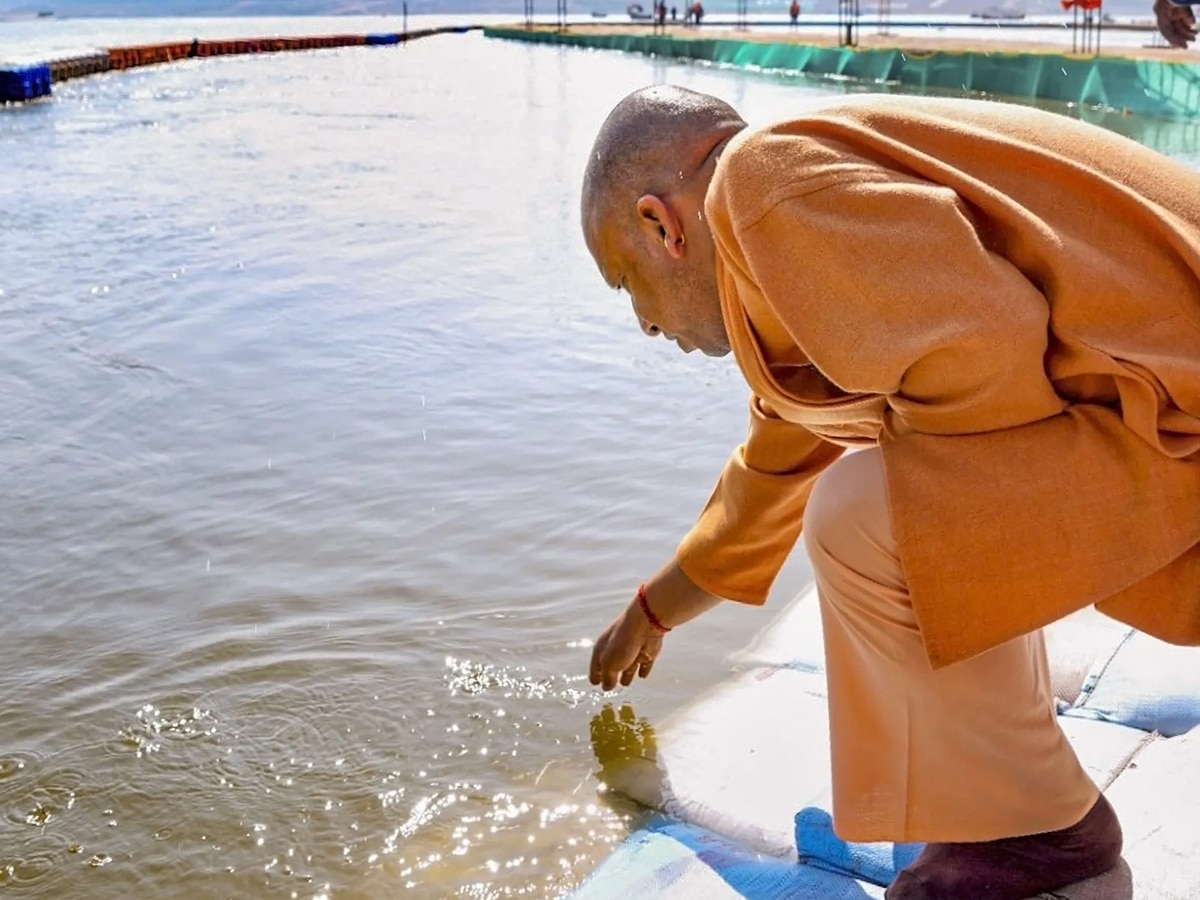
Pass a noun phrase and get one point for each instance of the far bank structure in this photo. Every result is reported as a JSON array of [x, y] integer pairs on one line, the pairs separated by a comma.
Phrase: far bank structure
[[1147, 81]]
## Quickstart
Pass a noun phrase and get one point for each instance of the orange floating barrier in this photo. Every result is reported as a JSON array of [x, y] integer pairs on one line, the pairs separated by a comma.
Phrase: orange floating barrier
[[154, 54]]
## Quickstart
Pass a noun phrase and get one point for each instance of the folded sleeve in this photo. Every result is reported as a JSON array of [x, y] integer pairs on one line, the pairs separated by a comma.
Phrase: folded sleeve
[[753, 518], [890, 286]]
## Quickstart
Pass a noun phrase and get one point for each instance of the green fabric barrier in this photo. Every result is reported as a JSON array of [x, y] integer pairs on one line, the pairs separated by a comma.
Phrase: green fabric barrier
[[1141, 86]]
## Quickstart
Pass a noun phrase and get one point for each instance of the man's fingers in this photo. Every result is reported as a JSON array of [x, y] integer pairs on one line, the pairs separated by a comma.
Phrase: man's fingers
[[644, 664], [624, 651], [610, 673], [608, 677], [630, 671], [596, 666]]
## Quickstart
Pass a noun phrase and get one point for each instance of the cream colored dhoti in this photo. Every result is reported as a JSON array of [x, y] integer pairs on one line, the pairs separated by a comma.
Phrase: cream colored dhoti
[[972, 752]]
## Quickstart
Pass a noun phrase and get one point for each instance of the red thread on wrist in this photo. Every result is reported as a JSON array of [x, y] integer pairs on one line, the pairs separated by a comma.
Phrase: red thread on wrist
[[653, 619]]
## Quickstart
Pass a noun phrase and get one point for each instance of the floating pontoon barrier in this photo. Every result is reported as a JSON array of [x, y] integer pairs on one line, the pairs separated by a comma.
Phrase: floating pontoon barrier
[[741, 788], [21, 83], [155, 54], [1150, 87], [79, 66], [25, 83]]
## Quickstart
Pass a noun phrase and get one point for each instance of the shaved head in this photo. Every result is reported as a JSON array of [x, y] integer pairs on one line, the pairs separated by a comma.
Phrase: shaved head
[[649, 144], [644, 191]]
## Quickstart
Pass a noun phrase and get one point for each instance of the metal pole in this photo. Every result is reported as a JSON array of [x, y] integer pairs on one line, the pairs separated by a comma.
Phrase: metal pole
[[848, 22], [405, 29]]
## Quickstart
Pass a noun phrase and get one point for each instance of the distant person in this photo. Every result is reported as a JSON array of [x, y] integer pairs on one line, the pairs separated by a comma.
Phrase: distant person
[[194, 50], [697, 13], [998, 309], [672, 15], [660, 15], [1176, 23], [794, 12]]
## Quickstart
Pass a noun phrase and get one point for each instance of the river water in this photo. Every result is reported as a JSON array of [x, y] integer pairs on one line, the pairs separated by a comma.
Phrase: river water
[[324, 455]]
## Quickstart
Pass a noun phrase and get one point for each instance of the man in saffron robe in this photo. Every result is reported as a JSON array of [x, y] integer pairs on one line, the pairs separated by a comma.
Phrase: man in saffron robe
[[1000, 308]]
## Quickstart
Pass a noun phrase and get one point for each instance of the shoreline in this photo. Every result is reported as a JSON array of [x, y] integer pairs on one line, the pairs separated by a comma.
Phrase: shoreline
[[1159, 83]]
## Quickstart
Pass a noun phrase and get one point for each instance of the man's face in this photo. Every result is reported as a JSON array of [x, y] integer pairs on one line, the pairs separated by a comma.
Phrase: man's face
[[673, 297]]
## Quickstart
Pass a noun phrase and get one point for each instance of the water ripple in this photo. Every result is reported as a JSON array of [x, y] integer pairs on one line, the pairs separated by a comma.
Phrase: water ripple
[[153, 727], [463, 676], [326, 453], [17, 764]]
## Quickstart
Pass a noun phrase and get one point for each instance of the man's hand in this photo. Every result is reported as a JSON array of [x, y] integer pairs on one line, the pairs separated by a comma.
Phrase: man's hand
[[629, 646], [1176, 23]]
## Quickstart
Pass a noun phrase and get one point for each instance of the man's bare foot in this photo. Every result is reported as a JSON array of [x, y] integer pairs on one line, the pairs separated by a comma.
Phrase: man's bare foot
[[1014, 868]]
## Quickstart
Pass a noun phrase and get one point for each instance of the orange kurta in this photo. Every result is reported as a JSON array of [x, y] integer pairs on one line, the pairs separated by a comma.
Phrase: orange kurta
[[1007, 302]]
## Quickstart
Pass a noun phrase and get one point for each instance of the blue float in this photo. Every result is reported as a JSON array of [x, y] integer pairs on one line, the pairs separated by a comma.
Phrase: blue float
[[25, 83]]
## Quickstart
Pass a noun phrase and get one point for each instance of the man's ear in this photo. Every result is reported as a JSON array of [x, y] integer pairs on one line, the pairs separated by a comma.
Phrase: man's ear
[[661, 223]]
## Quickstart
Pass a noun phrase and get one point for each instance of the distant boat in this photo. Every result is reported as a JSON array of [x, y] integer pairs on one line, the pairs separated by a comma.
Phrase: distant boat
[[637, 13], [597, 14]]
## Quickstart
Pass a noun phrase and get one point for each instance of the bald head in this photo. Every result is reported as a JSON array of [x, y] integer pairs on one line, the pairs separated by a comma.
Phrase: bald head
[[644, 192], [653, 140]]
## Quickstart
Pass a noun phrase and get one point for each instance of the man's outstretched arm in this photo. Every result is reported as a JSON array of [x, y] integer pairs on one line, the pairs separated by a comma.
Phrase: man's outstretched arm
[[742, 538]]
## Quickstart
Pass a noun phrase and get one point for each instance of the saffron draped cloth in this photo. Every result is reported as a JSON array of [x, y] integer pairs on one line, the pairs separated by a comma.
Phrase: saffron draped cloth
[[1006, 302]]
